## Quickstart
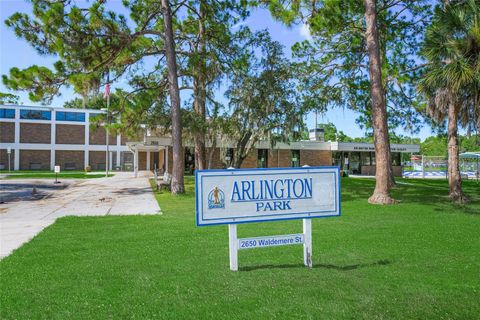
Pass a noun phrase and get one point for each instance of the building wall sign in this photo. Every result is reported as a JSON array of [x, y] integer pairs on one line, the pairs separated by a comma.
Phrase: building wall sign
[[369, 147], [252, 195]]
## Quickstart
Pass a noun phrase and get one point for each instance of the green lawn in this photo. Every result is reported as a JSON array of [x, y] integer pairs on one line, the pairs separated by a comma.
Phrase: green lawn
[[419, 259], [51, 175]]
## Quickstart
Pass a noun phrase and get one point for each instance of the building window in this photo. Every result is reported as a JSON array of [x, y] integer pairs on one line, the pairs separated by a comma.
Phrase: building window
[[365, 159], [354, 162], [262, 159], [7, 113], [35, 115], [337, 158], [396, 159], [70, 116], [295, 158], [229, 155], [189, 160]]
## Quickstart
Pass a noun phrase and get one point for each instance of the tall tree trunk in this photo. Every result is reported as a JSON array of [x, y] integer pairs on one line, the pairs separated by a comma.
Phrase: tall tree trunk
[[200, 94], [383, 59], [381, 195], [454, 177], [178, 167], [211, 153], [199, 135]]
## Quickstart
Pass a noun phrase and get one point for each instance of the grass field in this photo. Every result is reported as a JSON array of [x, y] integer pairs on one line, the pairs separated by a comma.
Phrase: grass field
[[51, 175], [419, 259]]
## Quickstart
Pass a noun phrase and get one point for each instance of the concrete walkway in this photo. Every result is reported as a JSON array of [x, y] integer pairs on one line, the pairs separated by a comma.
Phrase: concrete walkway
[[122, 194]]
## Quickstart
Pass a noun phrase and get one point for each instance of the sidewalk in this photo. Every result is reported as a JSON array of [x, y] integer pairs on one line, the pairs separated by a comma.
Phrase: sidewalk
[[121, 194]]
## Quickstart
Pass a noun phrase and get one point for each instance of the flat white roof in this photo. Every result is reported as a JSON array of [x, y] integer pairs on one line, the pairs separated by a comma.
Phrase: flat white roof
[[48, 108]]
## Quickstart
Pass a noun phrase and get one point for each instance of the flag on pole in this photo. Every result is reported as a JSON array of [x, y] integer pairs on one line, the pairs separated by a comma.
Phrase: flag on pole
[[107, 91]]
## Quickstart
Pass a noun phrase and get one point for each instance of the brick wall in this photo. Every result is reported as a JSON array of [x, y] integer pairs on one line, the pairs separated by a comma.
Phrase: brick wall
[[31, 159], [251, 159], [97, 160], [276, 159], [69, 160], [170, 159], [35, 133], [137, 137], [371, 170], [98, 137], [126, 160], [272, 159], [142, 161], [156, 157], [315, 158], [279, 158], [217, 163], [70, 134], [161, 160], [4, 159], [124, 139], [152, 161], [114, 159], [7, 132]]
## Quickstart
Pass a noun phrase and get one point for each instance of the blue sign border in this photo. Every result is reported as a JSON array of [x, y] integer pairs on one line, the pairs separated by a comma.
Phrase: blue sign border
[[197, 198]]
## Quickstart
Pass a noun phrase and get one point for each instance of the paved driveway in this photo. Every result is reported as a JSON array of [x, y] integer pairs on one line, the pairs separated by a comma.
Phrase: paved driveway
[[119, 195]]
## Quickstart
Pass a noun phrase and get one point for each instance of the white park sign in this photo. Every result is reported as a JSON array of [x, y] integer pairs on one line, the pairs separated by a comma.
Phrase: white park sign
[[237, 196], [253, 195]]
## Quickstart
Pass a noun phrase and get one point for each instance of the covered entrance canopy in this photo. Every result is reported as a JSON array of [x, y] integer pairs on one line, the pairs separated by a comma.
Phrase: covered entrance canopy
[[148, 156], [360, 158]]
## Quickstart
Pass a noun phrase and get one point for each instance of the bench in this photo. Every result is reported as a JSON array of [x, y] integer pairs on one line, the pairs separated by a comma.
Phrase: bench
[[166, 182]]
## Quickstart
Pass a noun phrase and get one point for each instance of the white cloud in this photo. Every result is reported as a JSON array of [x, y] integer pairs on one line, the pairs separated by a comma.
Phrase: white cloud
[[304, 31]]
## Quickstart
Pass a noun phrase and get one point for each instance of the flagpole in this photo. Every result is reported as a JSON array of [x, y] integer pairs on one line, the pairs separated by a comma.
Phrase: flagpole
[[108, 123]]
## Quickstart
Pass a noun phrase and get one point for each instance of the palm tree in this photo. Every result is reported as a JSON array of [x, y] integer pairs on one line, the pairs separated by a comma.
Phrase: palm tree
[[451, 79]]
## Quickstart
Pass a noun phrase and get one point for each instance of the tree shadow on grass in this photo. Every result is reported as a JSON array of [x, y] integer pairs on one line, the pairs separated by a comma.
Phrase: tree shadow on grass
[[435, 194], [426, 192], [317, 266]]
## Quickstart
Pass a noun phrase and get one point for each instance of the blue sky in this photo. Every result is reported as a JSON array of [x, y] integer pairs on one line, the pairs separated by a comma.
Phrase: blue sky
[[16, 52]]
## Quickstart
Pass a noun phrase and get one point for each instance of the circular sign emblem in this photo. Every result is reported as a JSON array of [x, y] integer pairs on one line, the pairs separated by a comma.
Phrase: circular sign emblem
[[216, 199]]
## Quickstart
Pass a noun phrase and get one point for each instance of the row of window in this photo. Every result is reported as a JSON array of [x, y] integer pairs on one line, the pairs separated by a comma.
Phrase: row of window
[[70, 116], [6, 113], [35, 114], [353, 161], [262, 158]]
